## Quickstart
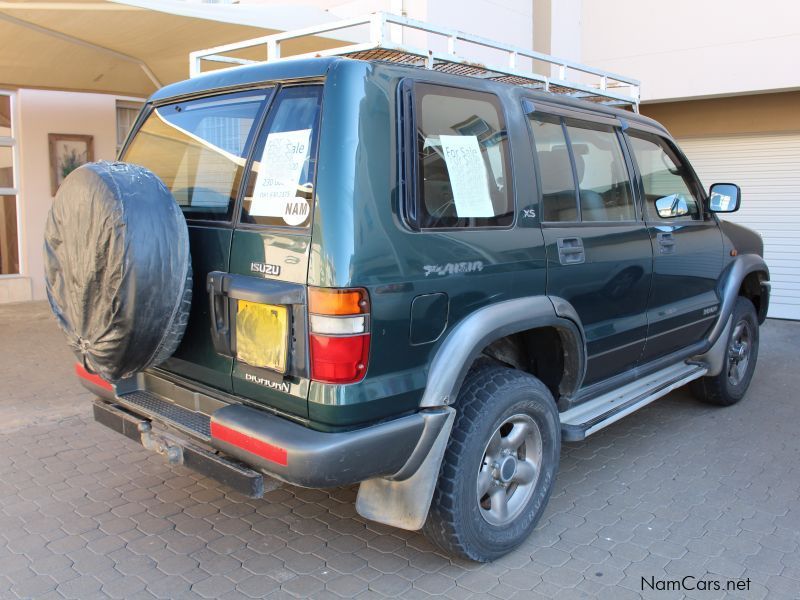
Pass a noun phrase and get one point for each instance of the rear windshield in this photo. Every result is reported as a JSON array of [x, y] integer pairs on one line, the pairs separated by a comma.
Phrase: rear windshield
[[199, 149]]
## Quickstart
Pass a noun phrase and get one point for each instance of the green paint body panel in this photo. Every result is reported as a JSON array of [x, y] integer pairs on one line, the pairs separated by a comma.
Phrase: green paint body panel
[[359, 239], [289, 250]]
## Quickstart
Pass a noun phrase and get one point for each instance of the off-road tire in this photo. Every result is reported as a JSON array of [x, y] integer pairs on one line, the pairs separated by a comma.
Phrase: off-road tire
[[718, 389], [490, 395]]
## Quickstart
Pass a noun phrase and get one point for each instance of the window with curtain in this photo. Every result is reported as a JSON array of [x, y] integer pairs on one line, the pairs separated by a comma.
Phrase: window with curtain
[[126, 117], [9, 242]]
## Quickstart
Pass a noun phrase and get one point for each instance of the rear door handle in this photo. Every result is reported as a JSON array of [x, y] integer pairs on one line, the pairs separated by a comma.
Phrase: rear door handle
[[666, 243], [570, 251], [220, 313]]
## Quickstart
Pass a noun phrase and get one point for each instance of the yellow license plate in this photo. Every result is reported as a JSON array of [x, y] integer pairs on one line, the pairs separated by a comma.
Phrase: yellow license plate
[[262, 333]]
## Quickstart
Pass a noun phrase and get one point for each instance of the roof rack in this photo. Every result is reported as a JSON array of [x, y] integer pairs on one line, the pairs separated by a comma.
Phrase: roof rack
[[572, 79]]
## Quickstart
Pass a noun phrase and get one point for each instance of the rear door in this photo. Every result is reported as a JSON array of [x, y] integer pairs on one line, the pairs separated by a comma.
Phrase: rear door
[[599, 256], [270, 254], [199, 149]]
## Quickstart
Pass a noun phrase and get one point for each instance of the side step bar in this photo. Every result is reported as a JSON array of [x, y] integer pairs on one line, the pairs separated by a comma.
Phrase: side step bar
[[583, 420]]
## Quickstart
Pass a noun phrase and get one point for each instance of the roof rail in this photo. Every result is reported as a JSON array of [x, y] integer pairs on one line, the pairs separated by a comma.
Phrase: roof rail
[[573, 79]]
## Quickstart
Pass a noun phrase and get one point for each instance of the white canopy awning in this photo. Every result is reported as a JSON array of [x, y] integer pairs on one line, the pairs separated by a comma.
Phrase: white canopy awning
[[127, 47]]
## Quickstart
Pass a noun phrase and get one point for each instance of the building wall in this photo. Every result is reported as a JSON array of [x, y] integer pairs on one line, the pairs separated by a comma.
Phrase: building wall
[[508, 21], [42, 112], [688, 49], [755, 113]]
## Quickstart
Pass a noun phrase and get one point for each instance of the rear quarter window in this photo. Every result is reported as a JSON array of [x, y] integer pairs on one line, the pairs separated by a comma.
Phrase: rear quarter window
[[462, 161]]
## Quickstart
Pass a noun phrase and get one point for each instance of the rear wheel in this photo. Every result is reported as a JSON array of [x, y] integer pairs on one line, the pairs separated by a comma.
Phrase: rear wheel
[[730, 385], [499, 467]]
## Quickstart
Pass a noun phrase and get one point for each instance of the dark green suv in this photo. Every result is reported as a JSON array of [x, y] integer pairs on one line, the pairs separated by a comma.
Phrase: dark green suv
[[422, 283]]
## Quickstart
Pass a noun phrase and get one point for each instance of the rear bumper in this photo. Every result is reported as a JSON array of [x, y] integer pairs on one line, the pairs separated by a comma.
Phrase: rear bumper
[[302, 456], [280, 448]]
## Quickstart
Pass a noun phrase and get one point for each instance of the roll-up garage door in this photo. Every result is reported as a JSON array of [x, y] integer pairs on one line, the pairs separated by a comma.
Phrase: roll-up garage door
[[767, 168]]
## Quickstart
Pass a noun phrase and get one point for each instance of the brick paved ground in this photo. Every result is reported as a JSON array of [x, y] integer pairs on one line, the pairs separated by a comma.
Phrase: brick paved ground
[[676, 489]]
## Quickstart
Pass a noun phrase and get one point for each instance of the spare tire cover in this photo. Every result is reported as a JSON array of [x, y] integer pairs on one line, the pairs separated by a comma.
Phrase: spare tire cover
[[117, 268]]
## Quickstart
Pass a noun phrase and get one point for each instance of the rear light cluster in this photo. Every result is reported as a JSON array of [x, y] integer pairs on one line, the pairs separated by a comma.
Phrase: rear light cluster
[[339, 335]]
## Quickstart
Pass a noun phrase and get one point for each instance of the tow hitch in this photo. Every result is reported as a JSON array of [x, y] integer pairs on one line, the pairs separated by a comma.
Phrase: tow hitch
[[160, 443], [180, 451]]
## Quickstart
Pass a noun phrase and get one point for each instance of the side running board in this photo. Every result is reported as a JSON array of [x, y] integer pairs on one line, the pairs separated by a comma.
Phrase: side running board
[[583, 420]]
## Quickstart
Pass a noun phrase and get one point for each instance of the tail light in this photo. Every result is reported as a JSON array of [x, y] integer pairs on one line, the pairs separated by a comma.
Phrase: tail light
[[93, 378], [339, 335]]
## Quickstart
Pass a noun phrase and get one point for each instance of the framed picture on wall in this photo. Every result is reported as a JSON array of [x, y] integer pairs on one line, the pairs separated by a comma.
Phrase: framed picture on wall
[[68, 151]]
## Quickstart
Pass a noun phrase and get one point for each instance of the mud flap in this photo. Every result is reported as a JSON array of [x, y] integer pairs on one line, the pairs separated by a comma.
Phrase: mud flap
[[405, 504]]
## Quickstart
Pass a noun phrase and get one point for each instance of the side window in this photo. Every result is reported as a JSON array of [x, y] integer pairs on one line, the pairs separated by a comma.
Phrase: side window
[[559, 201], [198, 149], [663, 174], [280, 186], [463, 167], [603, 184]]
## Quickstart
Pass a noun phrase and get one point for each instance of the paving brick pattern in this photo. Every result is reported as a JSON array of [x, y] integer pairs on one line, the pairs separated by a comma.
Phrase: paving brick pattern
[[676, 489]]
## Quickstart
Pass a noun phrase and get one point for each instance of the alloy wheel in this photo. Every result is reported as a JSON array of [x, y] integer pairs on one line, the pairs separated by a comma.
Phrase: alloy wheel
[[507, 477]]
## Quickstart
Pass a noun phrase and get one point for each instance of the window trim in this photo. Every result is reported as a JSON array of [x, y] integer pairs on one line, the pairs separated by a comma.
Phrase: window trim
[[562, 117], [701, 196], [409, 172]]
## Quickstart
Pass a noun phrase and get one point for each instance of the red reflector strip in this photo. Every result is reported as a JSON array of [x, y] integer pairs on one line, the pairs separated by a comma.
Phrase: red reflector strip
[[81, 372], [250, 444]]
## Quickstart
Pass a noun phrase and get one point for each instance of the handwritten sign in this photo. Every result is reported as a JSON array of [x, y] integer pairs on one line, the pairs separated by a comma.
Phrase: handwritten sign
[[275, 192], [462, 153]]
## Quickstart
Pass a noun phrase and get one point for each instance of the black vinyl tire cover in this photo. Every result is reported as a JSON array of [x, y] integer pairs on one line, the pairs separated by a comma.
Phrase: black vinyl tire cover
[[117, 268]]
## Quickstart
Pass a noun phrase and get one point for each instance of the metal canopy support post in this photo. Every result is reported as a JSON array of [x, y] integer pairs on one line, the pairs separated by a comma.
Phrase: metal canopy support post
[[591, 84]]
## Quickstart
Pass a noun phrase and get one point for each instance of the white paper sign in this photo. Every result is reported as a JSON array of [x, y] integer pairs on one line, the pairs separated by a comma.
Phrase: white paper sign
[[275, 192], [462, 153], [721, 202]]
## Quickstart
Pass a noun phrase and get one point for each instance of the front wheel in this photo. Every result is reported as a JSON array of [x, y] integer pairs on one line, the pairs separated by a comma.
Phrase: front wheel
[[730, 385], [500, 465]]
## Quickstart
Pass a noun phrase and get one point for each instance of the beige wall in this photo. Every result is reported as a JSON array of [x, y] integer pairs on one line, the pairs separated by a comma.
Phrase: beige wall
[[39, 113], [760, 113], [688, 48], [509, 21]]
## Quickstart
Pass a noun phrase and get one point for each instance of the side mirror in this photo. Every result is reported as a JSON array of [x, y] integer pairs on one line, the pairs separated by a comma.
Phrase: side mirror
[[724, 198], [674, 205]]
